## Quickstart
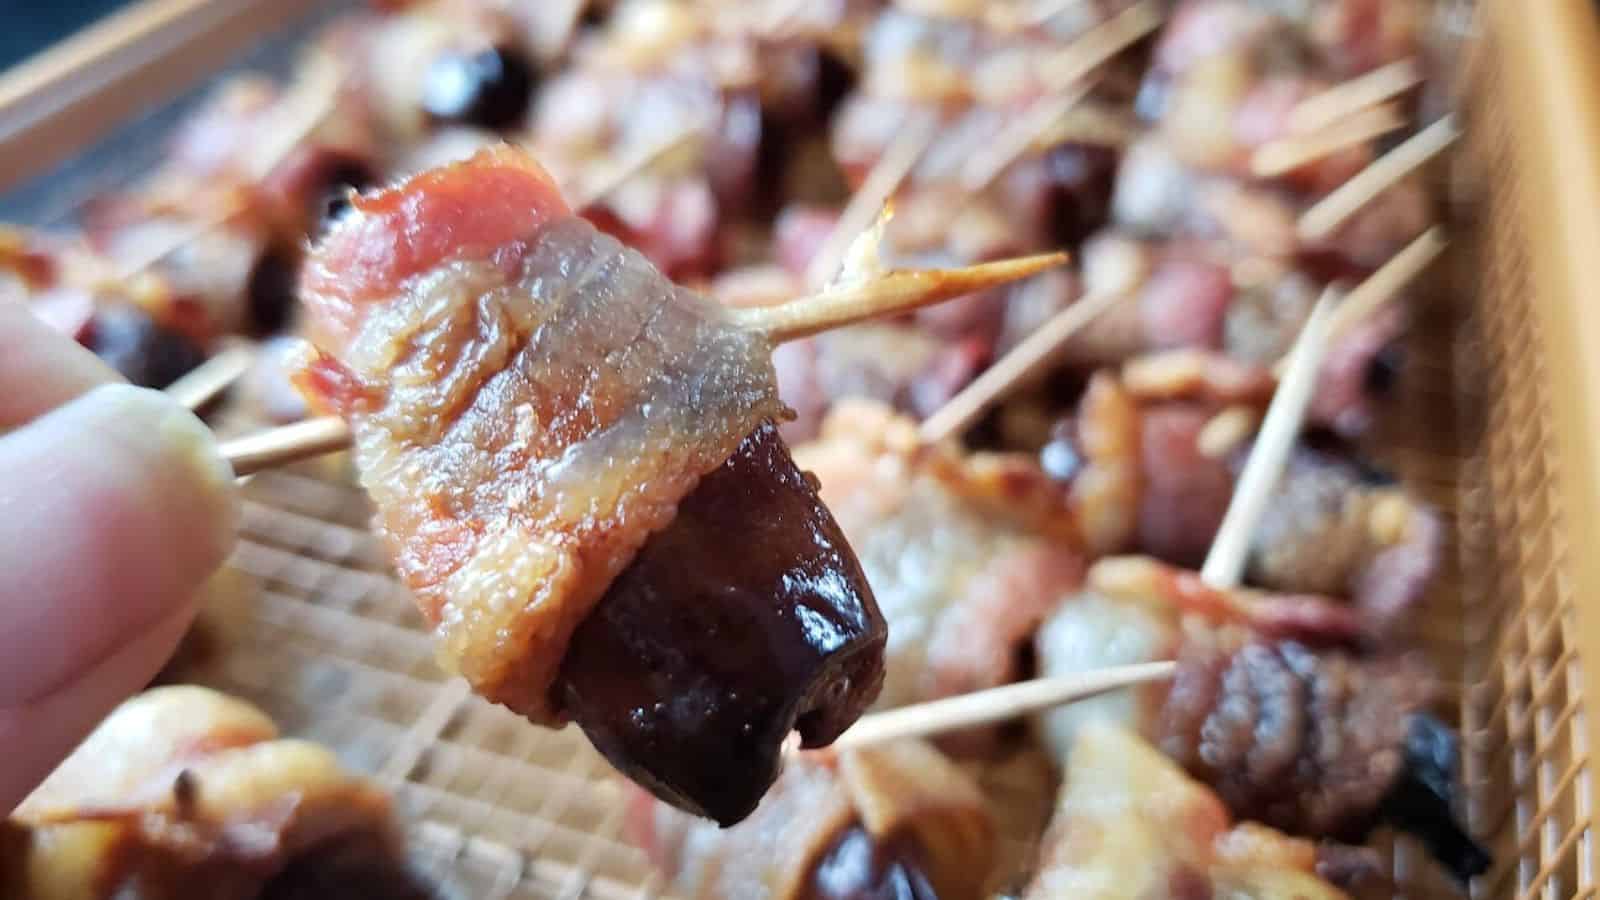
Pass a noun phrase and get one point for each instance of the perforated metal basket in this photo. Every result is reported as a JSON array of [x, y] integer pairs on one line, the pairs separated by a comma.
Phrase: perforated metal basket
[[1502, 432]]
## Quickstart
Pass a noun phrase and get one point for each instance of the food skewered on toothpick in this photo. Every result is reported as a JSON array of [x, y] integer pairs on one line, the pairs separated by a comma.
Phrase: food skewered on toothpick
[[863, 290], [589, 430], [182, 786], [1223, 569], [1323, 219]]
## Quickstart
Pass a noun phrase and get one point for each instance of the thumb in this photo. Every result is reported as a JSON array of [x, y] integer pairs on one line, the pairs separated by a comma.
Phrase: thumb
[[113, 510]]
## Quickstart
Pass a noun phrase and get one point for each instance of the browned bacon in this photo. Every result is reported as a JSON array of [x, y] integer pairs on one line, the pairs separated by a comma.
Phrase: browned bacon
[[182, 786], [1142, 478], [895, 822], [966, 554], [1226, 76], [1130, 824], [137, 325], [1271, 705], [1308, 741], [540, 417], [1185, 293]]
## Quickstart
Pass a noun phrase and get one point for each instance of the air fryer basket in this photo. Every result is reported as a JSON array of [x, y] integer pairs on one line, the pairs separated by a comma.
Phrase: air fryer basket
[[1500, 431]]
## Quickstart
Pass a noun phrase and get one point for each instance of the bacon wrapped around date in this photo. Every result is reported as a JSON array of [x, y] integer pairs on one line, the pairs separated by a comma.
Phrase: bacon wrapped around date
[[1225, 77], [1142, 478], [1272, 705], [125, 322], [893, 822], [966, 554], [560, 443], [182, 786], [1193, 294], [1130, 823]]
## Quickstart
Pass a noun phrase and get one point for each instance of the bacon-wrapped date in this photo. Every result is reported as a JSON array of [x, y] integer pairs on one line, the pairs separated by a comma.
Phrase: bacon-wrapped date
[[535, 408], [1129, 823], [74, 291], [655, 70], [1188, 294], [1225, 78], [445, 63], [966, 554], [892, 822], [1141, 478], [183, 786], [1269, 705]]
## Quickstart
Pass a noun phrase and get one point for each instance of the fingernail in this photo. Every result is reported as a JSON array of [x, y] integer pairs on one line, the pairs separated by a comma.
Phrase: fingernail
[[167, 434]]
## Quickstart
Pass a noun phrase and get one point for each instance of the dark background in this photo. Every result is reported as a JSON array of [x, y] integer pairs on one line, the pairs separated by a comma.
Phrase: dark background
[[32, 25]]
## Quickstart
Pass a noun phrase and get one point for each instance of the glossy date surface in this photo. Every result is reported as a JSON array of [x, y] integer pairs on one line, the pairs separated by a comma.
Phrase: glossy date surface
[[748, 617]]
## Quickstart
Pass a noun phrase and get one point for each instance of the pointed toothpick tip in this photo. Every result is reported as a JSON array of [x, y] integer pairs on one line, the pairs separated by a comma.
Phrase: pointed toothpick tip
[[1280, 428], [892, 293]]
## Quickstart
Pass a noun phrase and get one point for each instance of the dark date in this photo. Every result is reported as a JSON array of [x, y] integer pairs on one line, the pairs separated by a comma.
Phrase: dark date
[[142, 350], [489, 88], [747, 618]]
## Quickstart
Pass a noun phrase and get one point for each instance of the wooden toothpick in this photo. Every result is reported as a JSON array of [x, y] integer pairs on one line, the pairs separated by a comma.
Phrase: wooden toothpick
[[874, 194], [1323, 219], [1099, 44], [1224, 565], [288, 444], [893, 293], [844, 304], [1022, 363], [1381, 287], [1286, 154], [1234, 424], [1015, 138], [1349, 97], [995, 704], [204, 382]]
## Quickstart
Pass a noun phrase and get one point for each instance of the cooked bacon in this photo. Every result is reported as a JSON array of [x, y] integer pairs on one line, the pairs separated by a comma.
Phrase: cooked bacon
[[1270, 705], [183, 786], [1134, 609], [972, 78], [1142, 479], [238, 136], [1130, 824], [893, 364], [1227, 75], [538, 416], [441, 62], [1334, 530], [897, 821], [1181, 296], [966, 555], [217, 251], [78, 293], [656, 69], [1304, 741], [1177, 296]]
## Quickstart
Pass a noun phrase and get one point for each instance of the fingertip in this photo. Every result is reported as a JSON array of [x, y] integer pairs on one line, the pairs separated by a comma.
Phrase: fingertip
[[121, 508], [40, 368], [166, 446]]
